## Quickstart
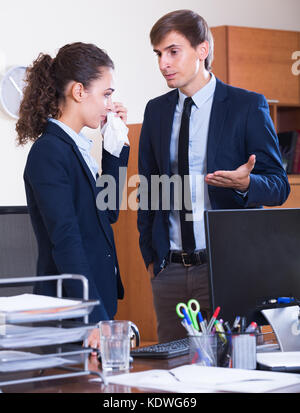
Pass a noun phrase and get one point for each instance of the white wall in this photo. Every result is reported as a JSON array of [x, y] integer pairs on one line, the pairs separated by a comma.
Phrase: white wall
[[122, 28]]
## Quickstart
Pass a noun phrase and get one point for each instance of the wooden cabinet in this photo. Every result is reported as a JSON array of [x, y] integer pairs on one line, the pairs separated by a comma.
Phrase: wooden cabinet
[[258, 60], [137, 305], [293, 200], [285, 117], [261, 60]]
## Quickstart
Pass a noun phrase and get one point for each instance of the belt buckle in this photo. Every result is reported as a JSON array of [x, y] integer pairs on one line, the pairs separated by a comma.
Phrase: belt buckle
[[184, 263]]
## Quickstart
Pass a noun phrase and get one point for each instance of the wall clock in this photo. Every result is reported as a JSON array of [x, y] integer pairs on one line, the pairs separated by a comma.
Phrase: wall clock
[[11, 90]]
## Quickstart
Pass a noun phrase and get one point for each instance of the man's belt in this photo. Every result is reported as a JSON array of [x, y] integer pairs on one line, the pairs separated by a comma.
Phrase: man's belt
[[195, 258]]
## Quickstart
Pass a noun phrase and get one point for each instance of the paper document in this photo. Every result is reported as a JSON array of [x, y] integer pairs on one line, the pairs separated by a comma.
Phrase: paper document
[[280, 359], [19, 361], [13, 336], [26, 302], [195, 379]]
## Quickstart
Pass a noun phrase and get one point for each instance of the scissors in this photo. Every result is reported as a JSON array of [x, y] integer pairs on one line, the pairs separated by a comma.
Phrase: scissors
[[192, 308]]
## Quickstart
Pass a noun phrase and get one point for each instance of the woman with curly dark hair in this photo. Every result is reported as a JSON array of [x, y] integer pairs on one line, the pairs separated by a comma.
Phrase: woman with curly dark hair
[[63, 95]]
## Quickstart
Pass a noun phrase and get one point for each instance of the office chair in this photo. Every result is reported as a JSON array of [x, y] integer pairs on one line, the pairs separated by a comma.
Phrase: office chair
[[18, 248]]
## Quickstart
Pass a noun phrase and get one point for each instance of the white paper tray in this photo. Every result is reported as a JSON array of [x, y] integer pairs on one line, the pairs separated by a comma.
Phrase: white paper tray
[[12, 361], [14, 336], [82, 309]]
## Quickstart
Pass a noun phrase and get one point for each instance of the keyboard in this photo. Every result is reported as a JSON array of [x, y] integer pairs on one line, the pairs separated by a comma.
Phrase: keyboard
[[163, 350]]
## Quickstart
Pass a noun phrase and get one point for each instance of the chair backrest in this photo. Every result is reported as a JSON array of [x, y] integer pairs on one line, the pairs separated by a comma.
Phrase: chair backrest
[[18, 248]]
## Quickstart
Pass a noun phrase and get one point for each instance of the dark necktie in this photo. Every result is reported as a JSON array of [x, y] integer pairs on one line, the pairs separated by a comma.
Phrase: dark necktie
[[187, 229]]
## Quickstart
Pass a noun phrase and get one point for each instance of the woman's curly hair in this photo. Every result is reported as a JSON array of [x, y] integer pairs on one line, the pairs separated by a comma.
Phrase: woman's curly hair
[[46, 81], [39, 100]]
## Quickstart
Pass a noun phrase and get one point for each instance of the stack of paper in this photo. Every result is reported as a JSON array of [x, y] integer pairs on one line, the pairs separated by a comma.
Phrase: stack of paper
[[26, 308], [196, 379], [280, 361], [19, 360], [28, 302], [14, 336]]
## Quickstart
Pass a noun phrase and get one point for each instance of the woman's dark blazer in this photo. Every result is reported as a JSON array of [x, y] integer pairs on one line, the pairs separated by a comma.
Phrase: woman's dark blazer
[[73, 235]]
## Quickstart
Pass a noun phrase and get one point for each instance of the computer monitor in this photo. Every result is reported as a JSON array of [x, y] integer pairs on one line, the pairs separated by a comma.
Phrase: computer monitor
[[18, 248], [253, 256]]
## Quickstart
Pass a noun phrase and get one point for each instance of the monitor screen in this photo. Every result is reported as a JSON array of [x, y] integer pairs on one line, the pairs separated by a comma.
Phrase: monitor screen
[[18, 248], [253, 256]]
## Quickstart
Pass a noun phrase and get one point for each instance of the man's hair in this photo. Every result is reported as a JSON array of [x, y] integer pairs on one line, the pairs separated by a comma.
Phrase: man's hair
[[188, 23]]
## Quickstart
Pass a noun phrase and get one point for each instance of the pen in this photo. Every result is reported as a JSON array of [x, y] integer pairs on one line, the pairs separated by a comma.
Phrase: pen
[[186, 322], [285, 300], [202, 354], [227, 326], [190, 328], [235, 327], [186, 317], [220, 330], [243, 324], [252, 327], [187, 326], [279, 300], [227, 361], [213, 319], [202, 323]]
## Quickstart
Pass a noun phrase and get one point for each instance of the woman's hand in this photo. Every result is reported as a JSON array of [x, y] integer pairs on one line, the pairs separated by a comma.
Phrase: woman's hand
[[94, 340], [121, 111]]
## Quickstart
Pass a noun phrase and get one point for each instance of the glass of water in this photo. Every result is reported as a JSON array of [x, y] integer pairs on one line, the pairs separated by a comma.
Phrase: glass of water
[[115, 346]]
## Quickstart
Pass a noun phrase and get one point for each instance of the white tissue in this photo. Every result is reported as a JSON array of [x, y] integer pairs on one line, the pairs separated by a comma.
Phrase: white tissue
[[114, 134]]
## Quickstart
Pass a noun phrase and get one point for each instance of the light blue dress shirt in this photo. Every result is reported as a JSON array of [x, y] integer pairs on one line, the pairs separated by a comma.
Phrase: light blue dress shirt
[[199, 124], [84, 145]]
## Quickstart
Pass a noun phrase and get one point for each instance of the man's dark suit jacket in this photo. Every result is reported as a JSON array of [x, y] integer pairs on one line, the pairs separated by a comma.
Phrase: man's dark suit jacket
[[73, 236], [240, 125]]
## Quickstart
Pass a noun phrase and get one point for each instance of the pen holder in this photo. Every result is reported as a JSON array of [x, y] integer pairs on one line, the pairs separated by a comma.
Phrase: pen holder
[[244, 351], [212, 350]]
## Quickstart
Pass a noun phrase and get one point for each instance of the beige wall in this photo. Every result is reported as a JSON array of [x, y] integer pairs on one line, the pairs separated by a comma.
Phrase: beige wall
[[122, 28]]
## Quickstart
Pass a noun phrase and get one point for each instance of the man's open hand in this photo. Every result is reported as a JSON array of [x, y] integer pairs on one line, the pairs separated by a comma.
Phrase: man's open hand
[[238, 179]]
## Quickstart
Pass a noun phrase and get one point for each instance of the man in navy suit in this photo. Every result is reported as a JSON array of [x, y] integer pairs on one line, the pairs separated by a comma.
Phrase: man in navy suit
[[220, 141]]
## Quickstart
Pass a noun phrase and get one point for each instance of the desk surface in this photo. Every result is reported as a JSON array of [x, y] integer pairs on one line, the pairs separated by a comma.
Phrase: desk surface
[[82, 384]]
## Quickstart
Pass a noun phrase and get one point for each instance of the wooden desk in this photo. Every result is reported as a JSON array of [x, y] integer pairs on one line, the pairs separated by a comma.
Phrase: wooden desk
[[82, 384]]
